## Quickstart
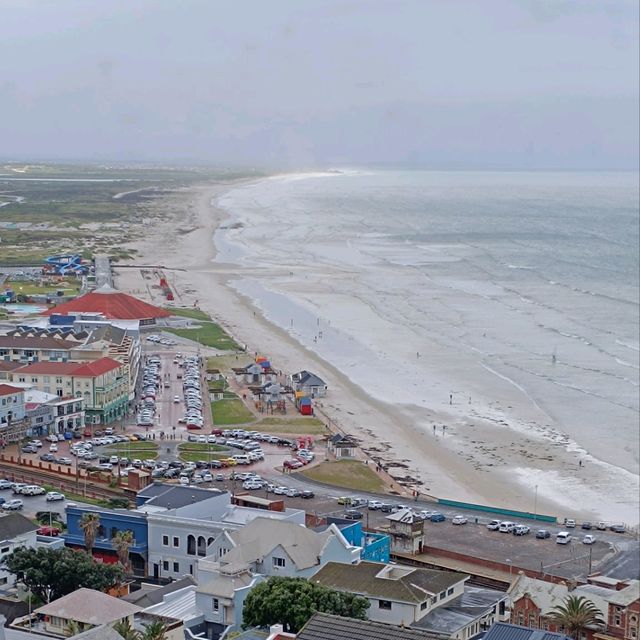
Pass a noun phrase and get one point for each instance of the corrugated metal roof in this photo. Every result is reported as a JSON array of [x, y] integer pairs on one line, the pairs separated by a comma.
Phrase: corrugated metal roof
[[505, 631]]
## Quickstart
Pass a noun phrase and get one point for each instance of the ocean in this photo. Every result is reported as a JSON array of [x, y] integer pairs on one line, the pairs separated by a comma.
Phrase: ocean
[[506, 296]]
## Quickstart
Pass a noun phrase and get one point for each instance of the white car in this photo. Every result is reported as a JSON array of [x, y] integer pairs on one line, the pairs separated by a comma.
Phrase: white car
[[53, 448], [54, 496], [176, 399], [588, 539], [13, 505], [184, 481], [459, 519], [374, 505], [494, 525]]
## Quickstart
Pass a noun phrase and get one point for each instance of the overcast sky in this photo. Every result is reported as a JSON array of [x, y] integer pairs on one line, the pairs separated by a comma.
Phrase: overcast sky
[[300, 83]]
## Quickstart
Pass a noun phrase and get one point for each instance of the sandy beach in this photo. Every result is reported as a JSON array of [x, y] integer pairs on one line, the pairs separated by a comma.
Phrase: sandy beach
[[451, 447]]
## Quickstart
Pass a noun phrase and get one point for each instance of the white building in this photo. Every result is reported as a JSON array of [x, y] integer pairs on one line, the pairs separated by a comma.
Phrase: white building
[[15, 531]]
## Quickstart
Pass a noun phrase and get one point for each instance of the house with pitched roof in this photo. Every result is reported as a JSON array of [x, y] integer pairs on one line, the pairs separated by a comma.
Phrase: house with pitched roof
[[398, 595], [13, 413], [406, 530], [309, 383], [15, 531], [280, 548]]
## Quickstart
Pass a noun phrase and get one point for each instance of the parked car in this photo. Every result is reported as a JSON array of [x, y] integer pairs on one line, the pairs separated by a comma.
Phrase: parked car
[[387, 507], [543, 534], [587, 526], [521, 530], [617, 528], [506, 527], [54, 496], [374, 505], [48, 531], [5, 484], [64, 460], [307, 495], [569, 523], [13, 505], [494, 525], [352, 514], [459, 519], [437, 517], [588, 539]]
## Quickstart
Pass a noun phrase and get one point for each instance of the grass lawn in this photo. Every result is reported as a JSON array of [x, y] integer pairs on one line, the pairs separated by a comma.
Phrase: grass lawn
[[135, 446], [209, 334], [350, 474], [200, 446], [231, 411], [218, 385], [142, 453], [195, 314], [298, 426], [74, 497]]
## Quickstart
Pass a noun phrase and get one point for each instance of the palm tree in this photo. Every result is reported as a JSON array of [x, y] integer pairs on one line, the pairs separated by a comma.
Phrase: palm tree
[[575, 614], [154, 631], [124, 628], [89, 524], [122, 542]]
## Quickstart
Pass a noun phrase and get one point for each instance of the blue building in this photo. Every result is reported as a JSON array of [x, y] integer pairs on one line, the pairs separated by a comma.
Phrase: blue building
[[111, 521], [376, 547]]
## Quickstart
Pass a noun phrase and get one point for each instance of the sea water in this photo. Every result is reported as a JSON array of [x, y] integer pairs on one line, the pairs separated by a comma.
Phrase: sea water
[[430, 287]]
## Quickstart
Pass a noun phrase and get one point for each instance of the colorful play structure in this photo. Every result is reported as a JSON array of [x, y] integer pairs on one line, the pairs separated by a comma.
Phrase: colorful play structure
[[65, 265]]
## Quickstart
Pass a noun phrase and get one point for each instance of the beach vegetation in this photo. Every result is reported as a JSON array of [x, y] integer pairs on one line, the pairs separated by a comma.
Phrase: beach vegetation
[[349, 474], [230, 410], [194, 314]]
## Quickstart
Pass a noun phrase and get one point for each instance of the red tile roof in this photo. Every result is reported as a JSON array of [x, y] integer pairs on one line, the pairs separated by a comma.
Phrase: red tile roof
[[84, 369], [113, 304], [97, 367], [6, 389]]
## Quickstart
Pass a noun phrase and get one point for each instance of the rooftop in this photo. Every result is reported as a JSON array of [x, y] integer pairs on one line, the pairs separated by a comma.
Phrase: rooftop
[[387, 582], [7, 390], [323, 626], [89, 606], [15, 524], [505, 631], [112, 304]]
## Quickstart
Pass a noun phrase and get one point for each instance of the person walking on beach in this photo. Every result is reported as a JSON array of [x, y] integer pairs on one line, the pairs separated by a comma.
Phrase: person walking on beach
[[451, 398], [434, 429]]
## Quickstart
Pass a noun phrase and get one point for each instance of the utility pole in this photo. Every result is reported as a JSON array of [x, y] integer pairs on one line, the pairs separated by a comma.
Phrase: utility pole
[[535, 505]]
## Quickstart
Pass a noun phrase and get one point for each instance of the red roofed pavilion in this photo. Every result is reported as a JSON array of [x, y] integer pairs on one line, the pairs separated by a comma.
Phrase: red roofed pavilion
[[112, 304]]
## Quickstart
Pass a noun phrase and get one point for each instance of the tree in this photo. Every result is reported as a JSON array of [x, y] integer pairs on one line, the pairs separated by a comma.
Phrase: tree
[[89, 524], [122, 542], [154, 631], [124, 628], [575, 614], [52, 573], [292, 601]]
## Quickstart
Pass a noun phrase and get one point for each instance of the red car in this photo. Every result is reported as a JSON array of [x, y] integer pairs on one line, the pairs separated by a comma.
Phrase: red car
[[48, 531]]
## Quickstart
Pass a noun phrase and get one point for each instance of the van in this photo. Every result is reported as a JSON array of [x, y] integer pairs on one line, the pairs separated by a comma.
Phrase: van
[[564, 537], [507, 527], [241, 459]]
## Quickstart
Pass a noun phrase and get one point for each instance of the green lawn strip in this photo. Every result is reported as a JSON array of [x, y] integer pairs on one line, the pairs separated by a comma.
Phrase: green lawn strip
[[298, 426], [350, 474], [217, 385], [72, 497], [230, 411], [135, 446], [209, 334], [141, 454], [195, 314], [200, 446]]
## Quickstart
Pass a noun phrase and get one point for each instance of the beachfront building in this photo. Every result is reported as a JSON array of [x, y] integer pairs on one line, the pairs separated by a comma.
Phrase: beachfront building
[[13, 414], [102, 384], [50, 414], [406, 531], [342, 447], [309, 384]]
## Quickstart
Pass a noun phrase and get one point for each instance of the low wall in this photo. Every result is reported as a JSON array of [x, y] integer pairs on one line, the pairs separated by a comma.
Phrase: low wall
[[538, 517]]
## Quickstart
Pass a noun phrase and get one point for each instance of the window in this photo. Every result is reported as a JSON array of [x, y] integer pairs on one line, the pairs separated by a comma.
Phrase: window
[[384, 604], [532, 619], [191, 545], [424, 605], [443, 595], [176, 541], [202, 546], [165, 565], [34, 379], [176, 567], [617, 616], [56, 622], [165, 541], [58, 380], [215, 604], [114, 530], [5, 550], [279, 562], [450, 591]]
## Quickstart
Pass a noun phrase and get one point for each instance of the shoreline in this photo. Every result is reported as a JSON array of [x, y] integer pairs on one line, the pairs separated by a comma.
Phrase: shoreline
[[449, 464]]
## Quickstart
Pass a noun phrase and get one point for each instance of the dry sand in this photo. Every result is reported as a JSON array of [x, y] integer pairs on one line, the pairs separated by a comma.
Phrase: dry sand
[[474, 460]]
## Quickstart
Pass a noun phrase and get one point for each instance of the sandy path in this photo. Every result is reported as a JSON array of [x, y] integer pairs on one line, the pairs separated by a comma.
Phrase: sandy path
[[475, 461]]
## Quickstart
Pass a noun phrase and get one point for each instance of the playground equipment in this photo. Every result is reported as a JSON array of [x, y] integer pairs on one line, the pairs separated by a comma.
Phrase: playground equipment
[[65, 265]]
